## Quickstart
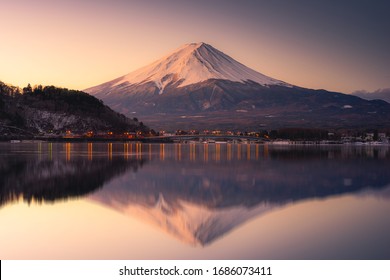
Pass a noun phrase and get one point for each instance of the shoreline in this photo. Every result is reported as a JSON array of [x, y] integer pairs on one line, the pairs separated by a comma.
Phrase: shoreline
[[190, 142]]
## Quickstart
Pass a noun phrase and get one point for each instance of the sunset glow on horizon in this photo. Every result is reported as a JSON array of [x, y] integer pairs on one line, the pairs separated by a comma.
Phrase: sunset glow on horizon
[[336, 45]]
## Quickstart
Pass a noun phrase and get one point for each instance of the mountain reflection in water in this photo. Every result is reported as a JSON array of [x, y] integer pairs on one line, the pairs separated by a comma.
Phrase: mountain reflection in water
[[198, 201], [195, 192]]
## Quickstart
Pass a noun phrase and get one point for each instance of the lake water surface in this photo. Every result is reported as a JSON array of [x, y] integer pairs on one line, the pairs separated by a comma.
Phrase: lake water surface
[[193, 201]]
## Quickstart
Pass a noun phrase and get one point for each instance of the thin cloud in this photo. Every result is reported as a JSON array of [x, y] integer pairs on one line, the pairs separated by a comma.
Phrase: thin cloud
[[383, 94]]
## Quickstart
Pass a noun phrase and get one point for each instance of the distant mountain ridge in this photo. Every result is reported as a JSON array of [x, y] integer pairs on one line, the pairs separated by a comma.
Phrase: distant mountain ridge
[[200, 87], [383, 94], [53, 111]]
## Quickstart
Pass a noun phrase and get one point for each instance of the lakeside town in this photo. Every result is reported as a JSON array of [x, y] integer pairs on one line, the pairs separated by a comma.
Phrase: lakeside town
[[281, 136]]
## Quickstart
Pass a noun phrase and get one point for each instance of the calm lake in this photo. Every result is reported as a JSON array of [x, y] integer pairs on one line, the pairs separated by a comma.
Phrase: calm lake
[[193, 201]]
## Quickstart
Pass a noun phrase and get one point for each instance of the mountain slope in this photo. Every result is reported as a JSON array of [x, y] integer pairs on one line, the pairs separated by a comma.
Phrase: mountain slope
[[199, 87], [189, 64], [51, 110]]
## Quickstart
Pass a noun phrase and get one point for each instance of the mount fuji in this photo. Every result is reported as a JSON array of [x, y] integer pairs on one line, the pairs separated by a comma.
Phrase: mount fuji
[[200, 87]]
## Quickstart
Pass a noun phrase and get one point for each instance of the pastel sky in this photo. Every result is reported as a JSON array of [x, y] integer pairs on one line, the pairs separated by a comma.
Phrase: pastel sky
[[335, 44]]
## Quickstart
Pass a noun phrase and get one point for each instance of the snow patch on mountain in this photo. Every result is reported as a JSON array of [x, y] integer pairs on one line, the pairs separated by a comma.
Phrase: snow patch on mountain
[[43, 120], [191, 64]]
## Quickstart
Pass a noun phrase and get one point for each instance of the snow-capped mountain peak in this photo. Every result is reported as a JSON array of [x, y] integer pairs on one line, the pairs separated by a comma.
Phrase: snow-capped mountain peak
[[194, 63], [199, 87]]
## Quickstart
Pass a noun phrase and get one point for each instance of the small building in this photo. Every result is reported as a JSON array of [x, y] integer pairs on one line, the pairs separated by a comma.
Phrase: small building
[[382, 137], [369, 137]]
